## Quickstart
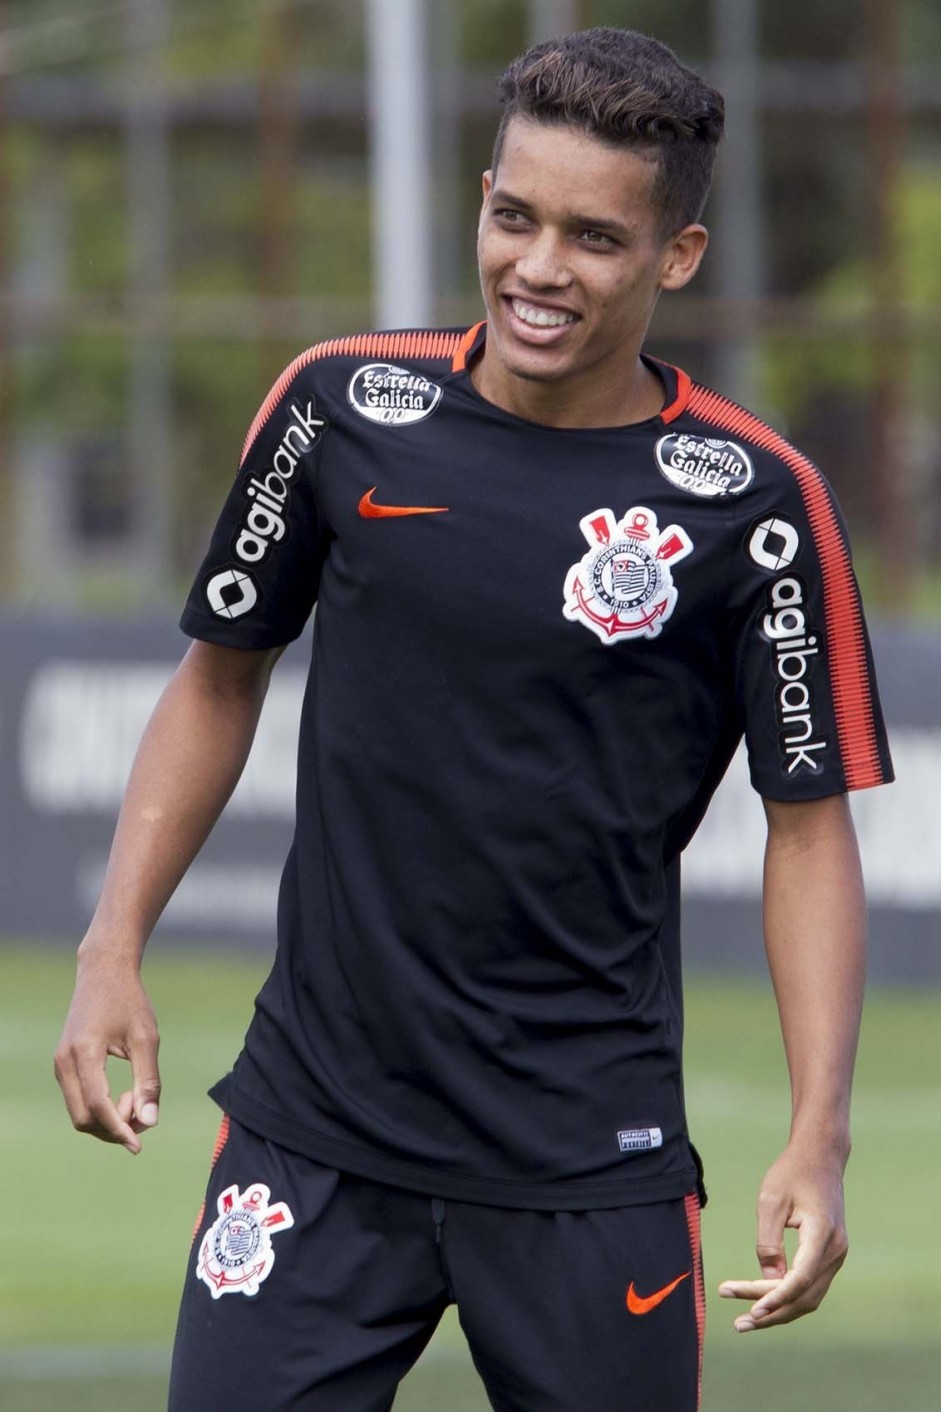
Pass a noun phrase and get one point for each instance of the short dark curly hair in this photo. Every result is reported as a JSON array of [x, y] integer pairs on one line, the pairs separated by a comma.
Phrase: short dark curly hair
[[629, 90]]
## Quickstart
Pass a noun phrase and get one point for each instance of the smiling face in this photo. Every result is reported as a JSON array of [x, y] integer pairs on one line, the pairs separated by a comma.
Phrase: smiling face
[[572, 261]]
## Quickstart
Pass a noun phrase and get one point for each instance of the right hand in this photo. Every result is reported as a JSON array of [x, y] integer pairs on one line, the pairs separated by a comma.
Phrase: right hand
[[110, 1014]]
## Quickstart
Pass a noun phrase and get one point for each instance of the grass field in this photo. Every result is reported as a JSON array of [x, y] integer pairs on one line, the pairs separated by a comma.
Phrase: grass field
[[95, 1242]]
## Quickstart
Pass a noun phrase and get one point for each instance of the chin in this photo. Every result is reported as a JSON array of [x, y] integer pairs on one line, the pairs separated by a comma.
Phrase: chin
[[537, 374], [534, 366]]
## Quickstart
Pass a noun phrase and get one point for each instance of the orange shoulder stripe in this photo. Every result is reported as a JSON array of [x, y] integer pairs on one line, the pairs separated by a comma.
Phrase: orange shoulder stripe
[[464, 347], [681, 401], [852, 697], [421, 343]]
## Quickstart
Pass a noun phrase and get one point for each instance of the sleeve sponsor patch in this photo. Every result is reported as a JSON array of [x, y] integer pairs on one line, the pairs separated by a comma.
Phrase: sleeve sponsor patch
[[794, 645], [231, 593]]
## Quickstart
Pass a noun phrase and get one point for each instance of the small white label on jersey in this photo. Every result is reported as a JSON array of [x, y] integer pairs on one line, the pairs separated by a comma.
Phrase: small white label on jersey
[[391, 396], [703, 466], [640, 1139]]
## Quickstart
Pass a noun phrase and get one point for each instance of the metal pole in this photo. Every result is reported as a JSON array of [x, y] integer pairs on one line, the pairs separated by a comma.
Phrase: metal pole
[[278, 153], [892, 535], [148, 195], [400, 142], [447, 132], [550, 18], [739, 252], [6, 331]]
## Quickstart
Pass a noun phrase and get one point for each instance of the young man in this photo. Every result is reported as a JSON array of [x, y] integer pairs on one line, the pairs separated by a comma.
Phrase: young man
[[556, 581]]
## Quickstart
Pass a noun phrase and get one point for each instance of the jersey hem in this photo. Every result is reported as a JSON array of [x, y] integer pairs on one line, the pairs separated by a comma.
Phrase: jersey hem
[[811, 789], [482, 1191], [255, 638]]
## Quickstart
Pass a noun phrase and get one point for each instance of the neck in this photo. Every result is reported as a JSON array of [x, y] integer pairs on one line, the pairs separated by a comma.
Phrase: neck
[[633, 395]]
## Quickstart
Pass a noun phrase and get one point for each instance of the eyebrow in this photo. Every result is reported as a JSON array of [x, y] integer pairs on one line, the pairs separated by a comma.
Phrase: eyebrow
[[598, 223]]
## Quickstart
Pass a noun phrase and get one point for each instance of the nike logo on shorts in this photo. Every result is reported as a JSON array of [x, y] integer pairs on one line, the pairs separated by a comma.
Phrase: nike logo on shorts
[[642, 1304]]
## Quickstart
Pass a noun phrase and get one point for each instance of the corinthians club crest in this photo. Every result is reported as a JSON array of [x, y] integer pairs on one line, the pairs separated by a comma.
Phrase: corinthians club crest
[[236, 1254], [623, 586]]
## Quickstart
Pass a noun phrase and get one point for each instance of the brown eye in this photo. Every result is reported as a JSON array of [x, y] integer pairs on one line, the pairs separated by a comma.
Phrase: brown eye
[[597, 238]]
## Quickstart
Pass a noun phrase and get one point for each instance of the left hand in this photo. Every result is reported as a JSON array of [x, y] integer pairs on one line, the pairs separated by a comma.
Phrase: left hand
[[803, 1191]]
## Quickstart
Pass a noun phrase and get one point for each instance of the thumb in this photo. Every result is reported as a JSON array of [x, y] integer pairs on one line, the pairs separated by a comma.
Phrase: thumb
[[146, 1081]]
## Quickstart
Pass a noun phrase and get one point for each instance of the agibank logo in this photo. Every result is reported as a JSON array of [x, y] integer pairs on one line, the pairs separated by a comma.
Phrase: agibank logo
[[794, 645], [232, 592], [265, 524]]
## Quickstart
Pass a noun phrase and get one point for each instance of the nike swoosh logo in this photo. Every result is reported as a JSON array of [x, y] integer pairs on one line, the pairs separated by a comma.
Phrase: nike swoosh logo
[[369, 510], [638, 1304]]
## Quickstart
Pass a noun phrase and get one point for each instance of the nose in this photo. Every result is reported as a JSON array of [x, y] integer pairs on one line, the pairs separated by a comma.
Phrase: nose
[[542, 265]]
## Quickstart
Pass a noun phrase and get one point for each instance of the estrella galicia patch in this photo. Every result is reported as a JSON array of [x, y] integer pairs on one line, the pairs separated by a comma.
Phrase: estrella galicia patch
[[623, 586], [704, 466], [392, 396], [236, 1254]]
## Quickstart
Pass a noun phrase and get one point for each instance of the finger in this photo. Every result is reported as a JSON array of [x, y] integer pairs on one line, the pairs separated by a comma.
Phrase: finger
[[746, 1289], [806, 1303], [816, 1258], [125, 1106], [67, 1079], [791, 1289], [769, 1245], [143, 1054], [101, 1116]]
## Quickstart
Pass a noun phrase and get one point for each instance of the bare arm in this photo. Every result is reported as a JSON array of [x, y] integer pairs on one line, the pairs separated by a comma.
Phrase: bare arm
[[189, 761], [815, 937]]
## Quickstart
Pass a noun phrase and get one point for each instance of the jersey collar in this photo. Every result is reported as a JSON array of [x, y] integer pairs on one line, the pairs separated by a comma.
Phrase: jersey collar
[[676, 382]]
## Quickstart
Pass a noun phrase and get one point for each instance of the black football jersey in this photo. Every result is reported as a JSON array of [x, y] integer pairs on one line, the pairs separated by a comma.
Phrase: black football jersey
[[534, 654]]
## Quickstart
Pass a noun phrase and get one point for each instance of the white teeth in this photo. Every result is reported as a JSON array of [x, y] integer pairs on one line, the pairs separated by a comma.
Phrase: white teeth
[[540, 318]]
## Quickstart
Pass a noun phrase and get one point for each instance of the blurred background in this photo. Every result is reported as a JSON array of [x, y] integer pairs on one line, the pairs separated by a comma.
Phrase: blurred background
[[193, 191], [189, 198]]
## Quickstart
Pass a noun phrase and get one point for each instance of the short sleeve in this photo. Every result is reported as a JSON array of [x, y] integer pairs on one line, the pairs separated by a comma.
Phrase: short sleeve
[[259, 581], [804, 677]]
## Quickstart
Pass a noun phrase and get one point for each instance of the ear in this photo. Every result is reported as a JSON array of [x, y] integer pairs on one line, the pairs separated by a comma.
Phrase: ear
[[682, 256]]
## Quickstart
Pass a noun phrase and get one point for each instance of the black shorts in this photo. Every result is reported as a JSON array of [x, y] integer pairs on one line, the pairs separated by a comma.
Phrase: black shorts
[[314, 1290]]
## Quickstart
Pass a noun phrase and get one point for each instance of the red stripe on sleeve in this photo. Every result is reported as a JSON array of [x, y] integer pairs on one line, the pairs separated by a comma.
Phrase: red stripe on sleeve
[[849, 676], [425, 343]]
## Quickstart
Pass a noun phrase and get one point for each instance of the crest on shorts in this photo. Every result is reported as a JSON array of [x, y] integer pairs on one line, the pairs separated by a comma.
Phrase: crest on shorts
[[236, 1252], [622, 587]]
